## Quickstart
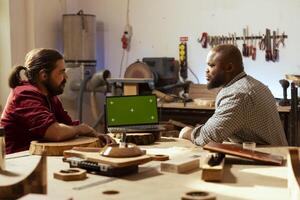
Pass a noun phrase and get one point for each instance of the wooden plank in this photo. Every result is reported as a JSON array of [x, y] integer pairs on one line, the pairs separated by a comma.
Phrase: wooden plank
[[294, 174], [236, 150], [180, 165], [114, 162]]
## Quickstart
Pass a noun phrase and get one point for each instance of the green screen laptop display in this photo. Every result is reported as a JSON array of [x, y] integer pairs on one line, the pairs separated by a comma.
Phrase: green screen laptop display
[[131, 110]]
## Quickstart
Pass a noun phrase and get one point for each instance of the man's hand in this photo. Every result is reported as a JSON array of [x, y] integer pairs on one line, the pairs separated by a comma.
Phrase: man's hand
[[105, 139], [186, 133], [86, 130]]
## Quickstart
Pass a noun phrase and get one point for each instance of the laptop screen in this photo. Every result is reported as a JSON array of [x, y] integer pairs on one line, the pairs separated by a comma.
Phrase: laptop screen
[[131, 110]]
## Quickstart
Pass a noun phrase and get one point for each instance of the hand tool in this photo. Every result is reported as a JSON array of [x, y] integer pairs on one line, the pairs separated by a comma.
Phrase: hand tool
[[244, 50], [268, 45], [275, 56], [254, 50]]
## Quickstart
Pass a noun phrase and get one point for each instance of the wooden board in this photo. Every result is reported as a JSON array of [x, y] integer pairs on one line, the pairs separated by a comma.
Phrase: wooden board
[[114, 162], [294, 174], [180, 165], [236, 150], [57, 148], [18, 180]]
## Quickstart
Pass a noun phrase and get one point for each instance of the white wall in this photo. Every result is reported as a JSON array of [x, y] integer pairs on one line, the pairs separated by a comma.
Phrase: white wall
[[5, 55], [157, 26]]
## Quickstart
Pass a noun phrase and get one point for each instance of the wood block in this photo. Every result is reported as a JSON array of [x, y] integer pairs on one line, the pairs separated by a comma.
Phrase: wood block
[[212, 173], [180, 165], [131, 88]]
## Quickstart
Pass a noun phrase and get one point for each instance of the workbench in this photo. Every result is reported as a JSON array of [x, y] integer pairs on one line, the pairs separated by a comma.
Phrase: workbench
[[240, 181], [190, 113]]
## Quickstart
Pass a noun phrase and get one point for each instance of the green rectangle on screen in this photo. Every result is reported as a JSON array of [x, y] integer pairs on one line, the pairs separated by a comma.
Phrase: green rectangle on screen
[[131, 110]]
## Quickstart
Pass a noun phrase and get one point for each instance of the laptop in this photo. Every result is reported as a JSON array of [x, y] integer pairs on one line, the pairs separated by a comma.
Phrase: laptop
[[136, 113]]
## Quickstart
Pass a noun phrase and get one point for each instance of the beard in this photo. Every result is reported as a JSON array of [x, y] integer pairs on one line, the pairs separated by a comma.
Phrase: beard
[[55, 90], [217, 81]]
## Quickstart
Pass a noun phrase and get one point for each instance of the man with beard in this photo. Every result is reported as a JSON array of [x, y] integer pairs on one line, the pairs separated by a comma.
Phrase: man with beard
[[33, 110], [245, 108]]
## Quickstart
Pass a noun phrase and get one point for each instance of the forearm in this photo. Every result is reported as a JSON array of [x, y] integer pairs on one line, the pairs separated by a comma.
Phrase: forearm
[[59, 132]]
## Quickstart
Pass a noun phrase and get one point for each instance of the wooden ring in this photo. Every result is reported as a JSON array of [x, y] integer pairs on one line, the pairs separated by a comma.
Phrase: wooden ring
[[198, 195]]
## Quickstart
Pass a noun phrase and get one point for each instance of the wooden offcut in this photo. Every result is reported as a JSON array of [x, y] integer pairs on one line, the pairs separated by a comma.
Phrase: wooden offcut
[[212, 173], [180, 165], [57, 148], [131, 88], [72, 174]]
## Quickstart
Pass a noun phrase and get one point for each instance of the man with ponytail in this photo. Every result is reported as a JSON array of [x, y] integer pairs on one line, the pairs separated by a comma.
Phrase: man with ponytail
[[33, 110]]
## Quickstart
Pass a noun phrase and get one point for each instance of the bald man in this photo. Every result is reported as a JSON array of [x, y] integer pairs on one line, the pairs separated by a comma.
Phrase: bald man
[[245, 108]]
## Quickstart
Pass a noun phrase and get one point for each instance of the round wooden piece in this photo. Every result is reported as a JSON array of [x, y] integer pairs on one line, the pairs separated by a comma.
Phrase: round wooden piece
[[57, 148], [198, 195], [72, 174]]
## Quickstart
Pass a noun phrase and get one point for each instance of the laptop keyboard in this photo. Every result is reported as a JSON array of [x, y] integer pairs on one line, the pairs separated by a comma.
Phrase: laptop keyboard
[[133, 128]]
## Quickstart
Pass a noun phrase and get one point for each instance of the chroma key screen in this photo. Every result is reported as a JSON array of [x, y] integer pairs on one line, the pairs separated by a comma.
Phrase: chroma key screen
[[131, 110]]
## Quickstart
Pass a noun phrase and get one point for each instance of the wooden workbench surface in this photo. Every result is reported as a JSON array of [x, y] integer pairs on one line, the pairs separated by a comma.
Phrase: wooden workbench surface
[[241, 181], [192, 105]]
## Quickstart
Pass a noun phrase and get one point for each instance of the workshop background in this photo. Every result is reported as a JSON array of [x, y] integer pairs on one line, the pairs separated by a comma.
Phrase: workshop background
[[157, 26]]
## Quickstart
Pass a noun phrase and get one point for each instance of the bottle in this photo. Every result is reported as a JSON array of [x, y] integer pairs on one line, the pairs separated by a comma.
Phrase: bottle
[[2, 148]]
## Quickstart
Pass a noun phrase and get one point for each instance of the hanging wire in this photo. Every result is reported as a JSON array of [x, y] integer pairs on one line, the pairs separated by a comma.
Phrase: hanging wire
[[194, 74]]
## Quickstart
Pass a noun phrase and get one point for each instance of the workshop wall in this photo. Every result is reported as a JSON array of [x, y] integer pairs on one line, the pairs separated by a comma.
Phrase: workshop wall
[[157, 26]]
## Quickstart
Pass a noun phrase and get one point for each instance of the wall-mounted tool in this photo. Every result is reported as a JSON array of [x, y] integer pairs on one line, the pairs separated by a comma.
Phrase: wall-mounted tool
[[248, 47], [244, 50], [268, 55], [183, 54], [203, 40], [253, 54], [275, 55]]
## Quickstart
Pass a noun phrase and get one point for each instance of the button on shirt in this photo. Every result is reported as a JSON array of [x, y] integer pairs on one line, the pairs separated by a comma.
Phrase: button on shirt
[[245, 111], [27, 115]]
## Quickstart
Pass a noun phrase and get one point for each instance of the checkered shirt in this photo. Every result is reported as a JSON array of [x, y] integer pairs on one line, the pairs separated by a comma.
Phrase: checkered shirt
[[245, 111]]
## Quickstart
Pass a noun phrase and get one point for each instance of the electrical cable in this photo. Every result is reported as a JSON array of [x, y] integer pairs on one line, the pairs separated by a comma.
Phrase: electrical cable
[[121, 65], [193, 74]]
